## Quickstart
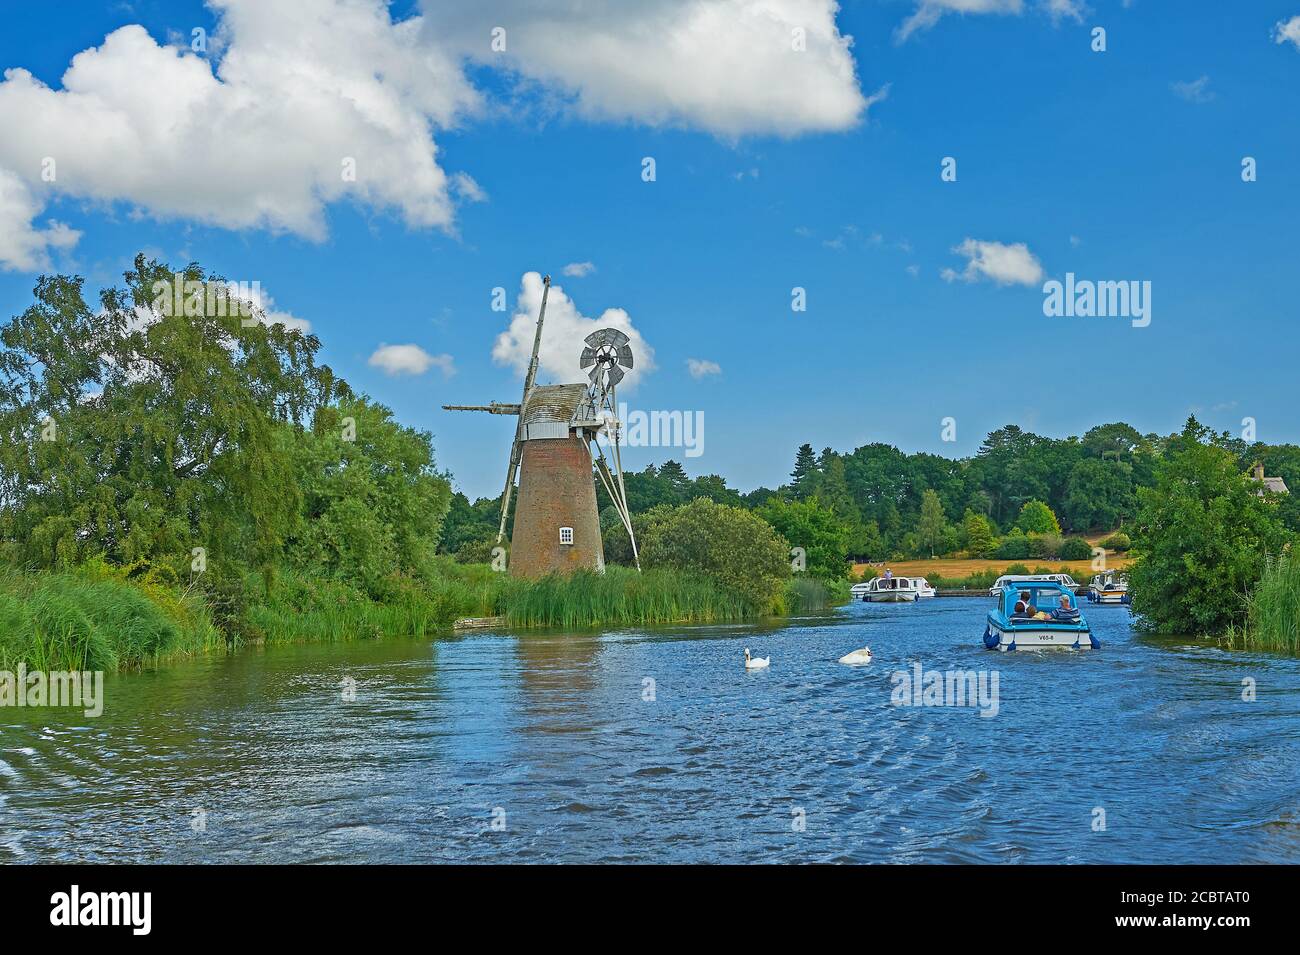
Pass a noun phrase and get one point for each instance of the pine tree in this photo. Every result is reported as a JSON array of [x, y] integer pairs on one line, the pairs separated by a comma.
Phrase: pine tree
[[805, 469]]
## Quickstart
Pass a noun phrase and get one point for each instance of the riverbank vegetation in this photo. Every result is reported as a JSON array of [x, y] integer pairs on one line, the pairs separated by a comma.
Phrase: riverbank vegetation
[[96, 619], [1272, 621], [175, 478], [1211, 545]]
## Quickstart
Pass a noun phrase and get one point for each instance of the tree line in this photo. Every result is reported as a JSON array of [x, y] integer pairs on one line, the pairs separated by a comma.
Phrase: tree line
[[1021, 496]]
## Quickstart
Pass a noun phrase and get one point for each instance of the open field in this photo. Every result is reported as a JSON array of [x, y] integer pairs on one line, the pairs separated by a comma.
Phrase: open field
[[1081, 570]]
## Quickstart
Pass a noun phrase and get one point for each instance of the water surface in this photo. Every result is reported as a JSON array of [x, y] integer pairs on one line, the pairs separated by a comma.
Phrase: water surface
[[552, 737]]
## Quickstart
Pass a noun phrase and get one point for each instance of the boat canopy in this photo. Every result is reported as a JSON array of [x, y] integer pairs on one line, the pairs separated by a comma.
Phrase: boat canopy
[[1045, 595]]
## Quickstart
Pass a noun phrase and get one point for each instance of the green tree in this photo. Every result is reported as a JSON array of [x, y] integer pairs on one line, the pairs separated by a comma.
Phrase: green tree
[[932, 527], [1037, 518], [1202, 535], [803, 477], [980, 540], [1099, 494], [814, 527], [138, 435], [373, 502], [735, 547]]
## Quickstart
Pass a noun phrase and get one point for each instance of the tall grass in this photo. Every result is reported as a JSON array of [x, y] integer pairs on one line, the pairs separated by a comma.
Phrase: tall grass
[[299, 607], [617, 597], [1272, 611], [807, 594], [104, 618], [94, 621]]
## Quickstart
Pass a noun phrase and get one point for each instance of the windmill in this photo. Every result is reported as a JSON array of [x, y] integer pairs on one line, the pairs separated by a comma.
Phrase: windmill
[[557, 441]]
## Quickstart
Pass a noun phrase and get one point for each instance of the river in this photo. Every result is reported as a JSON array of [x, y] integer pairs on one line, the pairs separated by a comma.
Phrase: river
[[654, 745]]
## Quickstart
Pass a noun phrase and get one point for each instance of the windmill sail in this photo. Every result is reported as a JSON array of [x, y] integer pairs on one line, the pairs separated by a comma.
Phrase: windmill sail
[[529, 378]]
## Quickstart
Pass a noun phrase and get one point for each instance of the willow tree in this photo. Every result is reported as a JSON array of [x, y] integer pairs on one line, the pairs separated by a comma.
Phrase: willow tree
[[145, 426]]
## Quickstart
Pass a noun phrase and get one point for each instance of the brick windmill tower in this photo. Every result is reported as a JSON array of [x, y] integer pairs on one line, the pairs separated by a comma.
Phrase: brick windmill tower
[[557, 442]]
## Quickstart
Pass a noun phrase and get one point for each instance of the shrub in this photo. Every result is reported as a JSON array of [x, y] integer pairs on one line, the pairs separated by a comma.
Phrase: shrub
[[1119, 542], [1014, 546], [1075, 548], [1045, 546], [735, 547]]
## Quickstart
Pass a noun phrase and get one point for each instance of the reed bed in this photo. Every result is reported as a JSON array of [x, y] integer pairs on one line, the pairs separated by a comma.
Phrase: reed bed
[[300, 607], [1272, 611], [619, 596], [86, 621]]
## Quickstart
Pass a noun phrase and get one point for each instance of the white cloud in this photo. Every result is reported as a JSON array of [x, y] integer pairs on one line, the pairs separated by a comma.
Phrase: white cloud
[[928, 12], [23, 246], [260, 142], [1194, 91], [700, 367], [1060, 10], [465, 186], [562, 336], [1003, 264], [579, 270], [1288, 30], [729, 68], [264, 132], [409, 360], [266, 312]]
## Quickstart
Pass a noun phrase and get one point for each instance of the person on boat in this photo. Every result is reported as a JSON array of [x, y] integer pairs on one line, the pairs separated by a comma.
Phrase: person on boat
[[1024, 606], [1066, 613]]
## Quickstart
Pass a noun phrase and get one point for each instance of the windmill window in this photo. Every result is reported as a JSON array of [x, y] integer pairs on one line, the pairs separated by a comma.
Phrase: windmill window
[[566, 535]]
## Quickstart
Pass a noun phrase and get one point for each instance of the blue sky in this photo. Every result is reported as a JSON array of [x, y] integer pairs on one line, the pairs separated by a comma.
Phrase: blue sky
[[1100, 164]]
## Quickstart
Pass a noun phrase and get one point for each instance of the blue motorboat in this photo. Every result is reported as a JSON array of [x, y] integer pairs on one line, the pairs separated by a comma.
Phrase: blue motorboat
[[1047, 624]]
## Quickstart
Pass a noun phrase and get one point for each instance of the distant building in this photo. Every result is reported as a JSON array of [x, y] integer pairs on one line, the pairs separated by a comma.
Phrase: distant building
[[1275, 484]]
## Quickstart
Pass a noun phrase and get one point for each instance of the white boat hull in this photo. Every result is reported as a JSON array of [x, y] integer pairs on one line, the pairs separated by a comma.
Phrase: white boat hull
[[1040, 639], [891, 597], [1108, 597]]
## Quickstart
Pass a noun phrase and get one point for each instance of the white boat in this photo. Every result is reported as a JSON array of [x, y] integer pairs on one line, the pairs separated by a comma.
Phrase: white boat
[[895, 589], [1108, 588], [1010, 580]]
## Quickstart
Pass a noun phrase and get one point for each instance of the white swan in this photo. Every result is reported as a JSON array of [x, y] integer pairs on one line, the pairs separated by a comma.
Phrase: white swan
[[857, 657], [756, 663]]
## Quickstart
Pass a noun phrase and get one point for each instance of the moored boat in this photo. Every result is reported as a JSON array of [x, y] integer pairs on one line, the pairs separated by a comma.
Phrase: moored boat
[[1108, 588], [1007, 629], [1065, 580], [894, 589]]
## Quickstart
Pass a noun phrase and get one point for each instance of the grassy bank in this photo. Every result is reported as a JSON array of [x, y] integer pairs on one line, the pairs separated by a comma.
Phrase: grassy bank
[[618, 597], [100, 618], [298, 607], [622, 597], [96, 620], [1273, 612]]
